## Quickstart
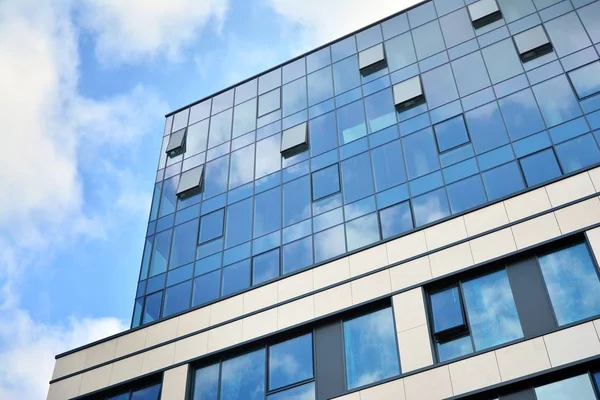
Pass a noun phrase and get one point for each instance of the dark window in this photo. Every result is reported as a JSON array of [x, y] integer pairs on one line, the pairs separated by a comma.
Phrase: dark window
[[408, 94], [484, 12], [532, 43], [206, 288], [294, 140], [177, 298], [176, 144]]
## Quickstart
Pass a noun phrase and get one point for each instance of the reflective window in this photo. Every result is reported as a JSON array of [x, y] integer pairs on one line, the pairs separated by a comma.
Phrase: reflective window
[[579, 387], [269, 81], [268, 102], [215, 174], [320, 86], [380, 110], [513, 10], [267, 212], [540, 4], [297, 255], [572, 282], [567, 34], [206, 383], [493, 317], [196, 138], [502, 181], [420, 153], [457, 27], [346, 75], [169, 197], [343, 48], [395, 26], [466, 194], [200, 111], [455, 348], [369, 37], [177, 298], [421, 14], [586, 80], [502, 61], [243, 377], [446, 309], [521, 114], [294, 70], [242, 167], [183, 249], [430, 207], [318, 59], [451, 133], [388, 165], [296, 201], [206, 288], [578, 153], [540, 167], [211, 226], [152, 307], [222, 102], [370, 348], [351, 122], [329, 243], [290, 362], [160, 253], [446, 6], [325, 182], [245, 91], [244, 118], [220, 128], [395, 220], [590, 16], [400, 52], [236, 277], [268, 156], [428, 40], [239, 223], [294, 96], [357, 178], [439, 86], [486, 128], [362, 231], [323, 136], [304, 392], [265, 267]]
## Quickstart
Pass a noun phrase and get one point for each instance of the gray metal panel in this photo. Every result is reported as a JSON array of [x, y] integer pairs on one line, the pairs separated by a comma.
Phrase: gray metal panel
[[190, 180], [406, 91], [531, 39], [329, 361], [527, 394], [531, 298], [294, 138], [176, 143], [482, 9], [371, 59]]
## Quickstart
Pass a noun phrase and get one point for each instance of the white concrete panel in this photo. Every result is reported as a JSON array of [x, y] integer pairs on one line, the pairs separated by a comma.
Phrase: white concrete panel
[[445, 233], [535, 231], [578, 216], [161, 332], [296, 312], [259, 298], [333, 300], [126, 369], [409, 309], [158, 358], [593, 237], [174, 383], [527, 204], [595, 177], [393, 390], [414, 346], [429, 385], [522, 359], [570, 189], [69, 364], [295, 286], [368, 260], [259, 324], [474, 373], [406, 247], [193, 321], [100, 353], [451, 259], [191, 347], [371, 287], [493, 245], [486, 219], [410, 273], [226, 310], [65, 389], [95, 379], [130, 343], [331, 273], [572, 344], [224, 336]]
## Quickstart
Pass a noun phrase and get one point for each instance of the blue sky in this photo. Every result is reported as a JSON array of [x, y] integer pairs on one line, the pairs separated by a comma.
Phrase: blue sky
[[84, 86]]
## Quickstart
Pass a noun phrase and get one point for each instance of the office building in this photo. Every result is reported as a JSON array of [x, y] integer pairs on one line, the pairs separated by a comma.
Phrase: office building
[[410, 212]]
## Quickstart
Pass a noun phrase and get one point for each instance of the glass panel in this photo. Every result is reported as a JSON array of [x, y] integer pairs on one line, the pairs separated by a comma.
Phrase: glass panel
[[177, 298], [196, 139], [152, 307], [486, 128], [269, 102], [455, 348], [296, 201], [380, 110], [578, 387], [502, 181], [267, 212], [420, 153], [457, 27], [200, 111], [269, 81], [346, 75], [294, 70], [297, 255], [421, 14], [357, 179], [590, 16], [169, 197], [242, 167], [244, 118], [470, 74], [578, 153], [220, 128], [557, 101], [351, 122], [318, 59], [343, 48], [513, 10], [586, 80], [326, 182], [388, 165], [183, 249], [211, 226], [395, 26], [268, 156], [329, 243], [428, 40], [362, 231], [502, 61], [493, 317], [400, 52], [521, 114], [243, 377], [323, 135], [540, 167], [215, 181], [239, 223], [439, 86], [567, 34], [149, 393], [451, 133], [265, 267], [206, 383], [294, 96], [160, 253], [370, 348], [245, 91], [320, 86], [304, 392], [466, 194], [395, 220], [572, 282], [206, 288], [290, 362], [430, 207], [236, 277]]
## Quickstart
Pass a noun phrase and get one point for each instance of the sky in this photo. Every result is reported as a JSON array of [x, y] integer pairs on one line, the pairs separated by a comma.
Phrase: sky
[[84, 87]]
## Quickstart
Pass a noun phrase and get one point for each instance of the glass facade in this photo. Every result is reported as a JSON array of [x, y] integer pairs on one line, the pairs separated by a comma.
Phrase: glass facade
[[490, 125]]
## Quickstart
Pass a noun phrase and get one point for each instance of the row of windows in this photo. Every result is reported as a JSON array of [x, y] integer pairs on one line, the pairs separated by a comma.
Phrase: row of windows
[[137, 392], [581, 387]]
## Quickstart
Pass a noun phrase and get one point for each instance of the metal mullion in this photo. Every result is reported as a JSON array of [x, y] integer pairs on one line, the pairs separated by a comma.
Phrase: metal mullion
[[466, 316]]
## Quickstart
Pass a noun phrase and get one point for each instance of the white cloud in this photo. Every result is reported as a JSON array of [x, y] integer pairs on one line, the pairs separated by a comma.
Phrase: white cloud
[[134, 30], [323, 21]]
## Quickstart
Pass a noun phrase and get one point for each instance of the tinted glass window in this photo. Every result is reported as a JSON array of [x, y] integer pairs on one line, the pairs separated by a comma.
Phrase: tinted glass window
[[388, 165], [395, 220], [269, 81], [491, 309], [540, 167], [297, 255], [557, 101], [220, 128], [160, 253], [211, 226], [515, 9], [265, 267], [346, 75], [521, 114], [357, 178], [586, 80], [578, 153], [439, 86], [466, 194], [325, 182], [362, 231], [183, 249], [236, 277], [267, 212], [351, 122], [421, 153], [294, 96], [430, 207], [451, 133], [214, 177], [304, 392], [502, 60], [177, 298], [323, 135], [244, 118], [294, 70], [486, 128], [343, 48], [428, 40], [455, 348], [152, 307], [239, 223], [503, 180], [243, 377], [169, 197], [400, 52], [567, 34], [149, 393], [320, 86], [370, 348], [421, 14], [590, 16], [296, 201], [290, 362], [329, 243], [318, 59], [395, 26], [245, 91], [457, 27], [242, 167], [446, 308], [268, 157], [380, 110], [196, 139], [206, 288], [206, 383], [369, 37], [579, 387], [572, 282], [268, 102]]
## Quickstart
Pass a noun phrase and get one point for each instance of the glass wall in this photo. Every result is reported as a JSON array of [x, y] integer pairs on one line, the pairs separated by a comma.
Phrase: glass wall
[[491, 126]]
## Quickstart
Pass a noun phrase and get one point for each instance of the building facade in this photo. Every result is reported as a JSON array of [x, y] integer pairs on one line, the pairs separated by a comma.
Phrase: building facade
[[409, 212]]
